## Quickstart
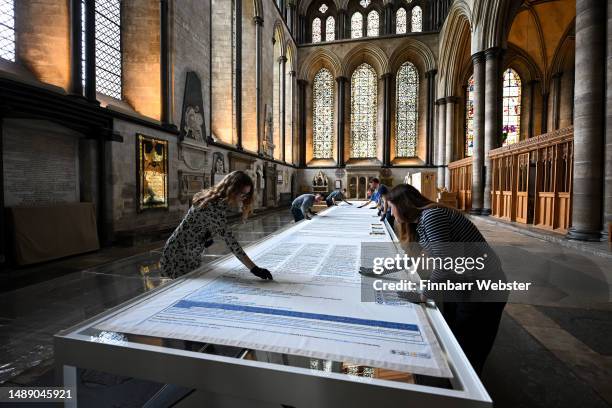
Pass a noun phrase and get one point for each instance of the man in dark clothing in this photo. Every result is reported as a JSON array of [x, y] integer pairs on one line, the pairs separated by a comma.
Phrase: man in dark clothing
[[336, 196]]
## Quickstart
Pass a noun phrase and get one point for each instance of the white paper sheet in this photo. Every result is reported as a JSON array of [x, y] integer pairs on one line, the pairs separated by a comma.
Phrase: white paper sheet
[[312, 308]]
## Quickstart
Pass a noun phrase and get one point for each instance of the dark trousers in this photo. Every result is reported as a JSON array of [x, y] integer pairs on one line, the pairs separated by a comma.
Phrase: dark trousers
[[329, 202], [297, 214], [474, 325]]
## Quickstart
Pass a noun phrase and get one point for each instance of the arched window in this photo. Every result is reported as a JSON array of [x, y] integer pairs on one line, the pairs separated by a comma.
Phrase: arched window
[[7, 30], [357, 25], [511, 130], [469, 118], [316, 30], [330, 29], [322, 114], [373, 23], [407, 110], [417, 19], [108, 47], [363, 112], [400, 21]]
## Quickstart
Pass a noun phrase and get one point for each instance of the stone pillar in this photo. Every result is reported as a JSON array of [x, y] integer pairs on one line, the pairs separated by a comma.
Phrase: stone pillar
[[430, 124], [451, 105], [302, 85], [258, 24], [479, 127], [387, 119], [283, 66], [441, 140], [608, 150], [238, 74], [388, 19], [341, 116], [556, 85], [492, 125], [588, 120], [342, 13]]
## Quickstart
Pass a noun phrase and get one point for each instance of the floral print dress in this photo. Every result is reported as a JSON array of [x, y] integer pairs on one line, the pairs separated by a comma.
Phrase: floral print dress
[[183, 250]]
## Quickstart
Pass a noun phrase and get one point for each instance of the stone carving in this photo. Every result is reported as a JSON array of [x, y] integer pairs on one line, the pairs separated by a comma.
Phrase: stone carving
[[320, 180], [192, 118], [193, 123], [268, 142], [218, 167]]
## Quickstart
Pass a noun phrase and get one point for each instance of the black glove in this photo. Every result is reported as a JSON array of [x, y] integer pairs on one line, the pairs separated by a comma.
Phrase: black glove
[[313, 213], [261, 273], [382, 219], [373, 208], [208, 243]]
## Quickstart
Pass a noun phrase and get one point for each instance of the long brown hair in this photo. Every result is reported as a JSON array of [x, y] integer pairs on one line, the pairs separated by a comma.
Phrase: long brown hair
[[410, 204], [230, 185]]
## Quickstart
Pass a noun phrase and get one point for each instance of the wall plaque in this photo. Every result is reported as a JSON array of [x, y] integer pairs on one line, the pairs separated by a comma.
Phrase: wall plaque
[[152, 172]]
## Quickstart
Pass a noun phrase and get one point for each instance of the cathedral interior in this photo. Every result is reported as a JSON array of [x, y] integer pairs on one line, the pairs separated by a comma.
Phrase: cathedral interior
[[114, 113]]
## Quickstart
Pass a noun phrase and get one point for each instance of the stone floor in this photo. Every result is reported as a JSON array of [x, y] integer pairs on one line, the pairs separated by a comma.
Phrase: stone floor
[[553, 348]]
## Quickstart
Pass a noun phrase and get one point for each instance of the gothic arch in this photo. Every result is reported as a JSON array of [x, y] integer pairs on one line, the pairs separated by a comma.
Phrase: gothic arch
[[523, 64], [455, 42], [563, 47], [369, 53], [414, 51], [305, 4], [257, 9], [290, 53], [317, 60], [279, 36], [491, 23]]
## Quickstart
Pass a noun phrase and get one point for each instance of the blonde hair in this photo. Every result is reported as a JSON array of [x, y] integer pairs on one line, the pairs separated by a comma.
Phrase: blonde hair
[[230, 185]]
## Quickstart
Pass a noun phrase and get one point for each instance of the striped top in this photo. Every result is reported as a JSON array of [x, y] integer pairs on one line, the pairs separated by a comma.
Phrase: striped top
[[445, 232]]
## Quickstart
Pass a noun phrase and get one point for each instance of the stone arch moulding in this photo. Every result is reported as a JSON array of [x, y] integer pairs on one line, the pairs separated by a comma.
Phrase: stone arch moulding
[[459, 20], [523, 64], [414, 51], [257, 9], [279, 37], [558, 60], [317, 60], [369, 53], [290, 53]]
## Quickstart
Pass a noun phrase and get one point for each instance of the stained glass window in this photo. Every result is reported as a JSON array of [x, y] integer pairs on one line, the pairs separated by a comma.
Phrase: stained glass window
[[316, 30], [511, 130], [322, 114], [469, 118], [407, 107], [108, 47], [364, 3], [363, 112], [323, 8], [356, 25], [330, 28], [417, 19], [373, 23], [400, 21], [7, 30]]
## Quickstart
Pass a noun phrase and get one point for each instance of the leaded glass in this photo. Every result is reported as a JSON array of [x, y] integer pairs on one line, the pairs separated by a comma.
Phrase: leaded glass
[[323, 8], [330, 28], [7, 30], [373, 23], [322, 114], [364, 3], [407, 110], [469, 118], [316, 30], [363, 112], [417, 19], [356, 25], [512, 107], [108, 47], [400, 21]]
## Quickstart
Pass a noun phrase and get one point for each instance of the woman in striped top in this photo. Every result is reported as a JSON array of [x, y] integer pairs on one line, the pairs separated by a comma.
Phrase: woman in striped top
[[443, 232]]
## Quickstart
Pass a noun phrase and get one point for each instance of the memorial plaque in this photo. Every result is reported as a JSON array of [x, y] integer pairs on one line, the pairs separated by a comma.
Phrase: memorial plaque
[[152, 173]]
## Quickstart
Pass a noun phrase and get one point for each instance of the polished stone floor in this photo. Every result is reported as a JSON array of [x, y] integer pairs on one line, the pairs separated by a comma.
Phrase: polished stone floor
[[553, 349]]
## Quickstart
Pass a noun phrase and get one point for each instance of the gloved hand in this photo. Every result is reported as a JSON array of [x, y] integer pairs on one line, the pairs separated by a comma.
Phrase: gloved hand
[[308, 218], [382, 219], [261, 273], [208, 242], [313, 213]]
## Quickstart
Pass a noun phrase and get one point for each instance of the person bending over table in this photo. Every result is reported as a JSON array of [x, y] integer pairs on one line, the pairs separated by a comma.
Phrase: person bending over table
[[302, 206], [335, 196], [375, 196], [441, 231], [207, 218]]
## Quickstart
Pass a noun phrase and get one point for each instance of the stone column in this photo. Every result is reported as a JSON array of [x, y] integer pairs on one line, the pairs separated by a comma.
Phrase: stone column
[[290, 12], [258, 23], [479, 127], [282, 72], [164, 59], [238, 74], [588, 120], [342, 13], [608, 150], [491, 126], [441, 140], [451, 105], [556, 85], [388, 19], [387, 119], [302, 85], [341, 115], [430, 125]]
